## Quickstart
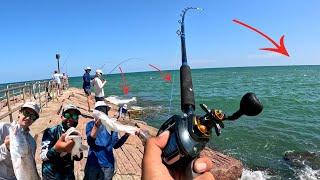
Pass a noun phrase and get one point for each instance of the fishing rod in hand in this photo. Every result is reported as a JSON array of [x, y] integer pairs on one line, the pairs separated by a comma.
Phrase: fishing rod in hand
[[190, 133]]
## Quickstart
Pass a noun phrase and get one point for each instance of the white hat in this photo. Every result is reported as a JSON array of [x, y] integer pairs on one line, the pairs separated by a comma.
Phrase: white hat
[[100, 103], [125, 106], [69, 107], [99, 71], [87, 68], [33, 106]]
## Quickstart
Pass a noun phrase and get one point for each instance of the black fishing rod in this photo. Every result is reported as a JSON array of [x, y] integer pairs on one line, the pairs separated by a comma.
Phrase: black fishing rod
[[189, 134], [187, 95]]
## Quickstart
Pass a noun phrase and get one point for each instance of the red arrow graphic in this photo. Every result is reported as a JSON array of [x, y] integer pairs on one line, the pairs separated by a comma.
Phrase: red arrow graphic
[[279, 48], [124, 86], [166, 77]]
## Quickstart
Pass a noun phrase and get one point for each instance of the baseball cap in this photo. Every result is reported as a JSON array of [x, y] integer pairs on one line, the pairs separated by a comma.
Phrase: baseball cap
[[71, 107], [125, 106], [87, 68], [32, 105]]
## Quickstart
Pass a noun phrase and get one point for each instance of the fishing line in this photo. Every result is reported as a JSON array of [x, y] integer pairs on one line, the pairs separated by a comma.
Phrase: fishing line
[[170, 101], [64, 66], [126, 60]]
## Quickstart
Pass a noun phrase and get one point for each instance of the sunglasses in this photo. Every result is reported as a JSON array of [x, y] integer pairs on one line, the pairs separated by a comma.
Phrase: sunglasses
[[32, 116], [74, 116]]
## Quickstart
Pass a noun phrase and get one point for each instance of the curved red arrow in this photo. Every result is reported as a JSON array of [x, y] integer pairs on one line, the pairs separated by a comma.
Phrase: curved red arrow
[[166, 77], [124, 86], [279, 48]]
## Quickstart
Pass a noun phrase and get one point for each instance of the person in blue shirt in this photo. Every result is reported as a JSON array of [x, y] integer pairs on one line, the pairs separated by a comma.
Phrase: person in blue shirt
[[100, 161], [87, 85]]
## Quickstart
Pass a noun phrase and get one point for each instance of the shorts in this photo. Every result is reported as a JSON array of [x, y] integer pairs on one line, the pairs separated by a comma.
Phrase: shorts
[[96, 173], [99, 98], [87, 91]]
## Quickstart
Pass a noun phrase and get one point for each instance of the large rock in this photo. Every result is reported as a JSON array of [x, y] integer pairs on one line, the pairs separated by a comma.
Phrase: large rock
[[225, 167]]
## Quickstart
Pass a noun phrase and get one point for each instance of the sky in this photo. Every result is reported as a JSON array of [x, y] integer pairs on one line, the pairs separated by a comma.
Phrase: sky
[[102, 33]]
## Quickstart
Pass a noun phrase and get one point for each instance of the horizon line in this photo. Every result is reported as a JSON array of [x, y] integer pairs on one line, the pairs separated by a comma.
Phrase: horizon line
[[253, 66]]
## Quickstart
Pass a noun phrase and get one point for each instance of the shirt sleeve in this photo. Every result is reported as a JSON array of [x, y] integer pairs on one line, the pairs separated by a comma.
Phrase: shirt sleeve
[[99, 83], [4, 152], [47, 150], [103, 83], [94, 82], [90, 140], [118, 142]]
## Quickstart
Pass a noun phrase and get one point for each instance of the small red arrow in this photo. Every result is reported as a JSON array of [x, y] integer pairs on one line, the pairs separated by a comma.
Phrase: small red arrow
[[166, 77], [279, 48]]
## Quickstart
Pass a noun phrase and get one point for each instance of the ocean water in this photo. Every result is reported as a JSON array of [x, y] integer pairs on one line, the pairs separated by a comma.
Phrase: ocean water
[[290, 121]]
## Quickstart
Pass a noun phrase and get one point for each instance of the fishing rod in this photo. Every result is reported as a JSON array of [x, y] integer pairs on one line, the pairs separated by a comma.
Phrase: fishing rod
[[190, 133]]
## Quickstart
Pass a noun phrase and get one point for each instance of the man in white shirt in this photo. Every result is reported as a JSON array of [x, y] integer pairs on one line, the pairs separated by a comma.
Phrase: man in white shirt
[[98, 83], [57, 79]]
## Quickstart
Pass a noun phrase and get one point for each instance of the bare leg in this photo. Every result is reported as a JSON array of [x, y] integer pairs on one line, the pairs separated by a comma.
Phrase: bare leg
[[88, 101]]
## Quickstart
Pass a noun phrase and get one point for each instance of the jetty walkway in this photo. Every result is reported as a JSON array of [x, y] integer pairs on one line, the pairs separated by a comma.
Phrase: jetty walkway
[[128, 157]]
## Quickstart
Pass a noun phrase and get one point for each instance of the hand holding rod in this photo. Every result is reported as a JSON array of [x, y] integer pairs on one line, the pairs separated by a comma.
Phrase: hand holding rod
[[189, 134]]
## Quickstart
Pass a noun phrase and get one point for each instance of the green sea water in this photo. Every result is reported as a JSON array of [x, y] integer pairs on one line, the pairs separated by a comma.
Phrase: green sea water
[[290, 120]]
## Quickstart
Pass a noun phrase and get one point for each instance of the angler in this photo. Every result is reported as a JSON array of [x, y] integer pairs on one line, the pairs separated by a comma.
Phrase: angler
[[54, 143], [17, 149]]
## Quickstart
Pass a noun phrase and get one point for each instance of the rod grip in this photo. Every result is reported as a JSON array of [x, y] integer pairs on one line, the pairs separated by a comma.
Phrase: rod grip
[[187, 95]]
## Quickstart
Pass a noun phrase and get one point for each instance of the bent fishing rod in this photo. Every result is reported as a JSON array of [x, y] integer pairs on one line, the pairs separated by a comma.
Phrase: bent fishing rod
[[190, 133]]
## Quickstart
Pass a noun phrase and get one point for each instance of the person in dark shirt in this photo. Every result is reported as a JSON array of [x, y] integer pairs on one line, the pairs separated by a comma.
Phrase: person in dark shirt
[[54, 143], [87, 85], [123, 112], [100, 162]]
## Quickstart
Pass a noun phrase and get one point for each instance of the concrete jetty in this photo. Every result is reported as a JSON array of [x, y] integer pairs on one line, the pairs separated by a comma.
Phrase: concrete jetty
[[129, 156]]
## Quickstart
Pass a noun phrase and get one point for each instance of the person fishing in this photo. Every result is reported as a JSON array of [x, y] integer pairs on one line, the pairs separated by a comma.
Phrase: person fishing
[[100, 162], [123, 111], [98, 83], [65, 83], [57, 79], [28, 114], [54, 165], [87, 85]]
